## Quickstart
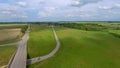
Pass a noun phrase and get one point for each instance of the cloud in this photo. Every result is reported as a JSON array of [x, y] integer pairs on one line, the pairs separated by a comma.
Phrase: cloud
[[82, 15], [47, 11], [85, 15], [50, 9], [105, 7], [19, 16], [59, 9], [13, 13], [79, 3], [42, 14], [21, 4], [117, 5], [5, 12]]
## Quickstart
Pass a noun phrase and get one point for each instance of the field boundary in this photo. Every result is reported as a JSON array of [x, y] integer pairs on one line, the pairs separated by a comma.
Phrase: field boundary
[[9, 44]]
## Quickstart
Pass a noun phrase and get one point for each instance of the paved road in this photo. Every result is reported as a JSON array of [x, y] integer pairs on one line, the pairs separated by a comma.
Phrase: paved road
[[51, 54], [19, 61]]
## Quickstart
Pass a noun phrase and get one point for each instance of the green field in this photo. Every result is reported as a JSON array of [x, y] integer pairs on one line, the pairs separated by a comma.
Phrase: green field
[[84, 49], [41, 41], [115, 31], [6, 53]]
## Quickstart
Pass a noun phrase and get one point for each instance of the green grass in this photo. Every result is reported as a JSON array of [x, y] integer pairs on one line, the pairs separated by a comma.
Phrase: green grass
[[84, 49], [41, 41], [115, 31], [6, 53]]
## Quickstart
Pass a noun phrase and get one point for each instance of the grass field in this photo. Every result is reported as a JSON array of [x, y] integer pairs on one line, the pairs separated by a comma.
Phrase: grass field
[[6, 53], [115, 31], [41, 41], [84, 49]]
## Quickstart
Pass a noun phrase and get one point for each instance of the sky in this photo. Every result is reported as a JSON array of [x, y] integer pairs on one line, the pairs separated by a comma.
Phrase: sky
[[59, 10]]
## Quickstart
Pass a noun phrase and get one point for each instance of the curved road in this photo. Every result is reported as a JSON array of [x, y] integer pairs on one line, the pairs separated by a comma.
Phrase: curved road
[[51, 54], [20, 58]]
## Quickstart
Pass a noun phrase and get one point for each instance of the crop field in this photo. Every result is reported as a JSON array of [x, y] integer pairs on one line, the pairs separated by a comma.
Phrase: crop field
[[6, 53], [84, 49], [41, 41], [11, 32]]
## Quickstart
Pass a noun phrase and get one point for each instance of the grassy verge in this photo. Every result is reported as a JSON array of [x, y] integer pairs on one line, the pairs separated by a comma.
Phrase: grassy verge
[[6, 53], [41, 41], [84, 49]]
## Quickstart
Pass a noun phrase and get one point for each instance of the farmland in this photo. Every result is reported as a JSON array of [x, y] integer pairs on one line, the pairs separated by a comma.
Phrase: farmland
[[11, 32], [82, 45], [84, 49]]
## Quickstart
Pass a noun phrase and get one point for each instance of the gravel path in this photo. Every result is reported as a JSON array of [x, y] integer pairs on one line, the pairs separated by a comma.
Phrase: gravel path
[[51, 54]]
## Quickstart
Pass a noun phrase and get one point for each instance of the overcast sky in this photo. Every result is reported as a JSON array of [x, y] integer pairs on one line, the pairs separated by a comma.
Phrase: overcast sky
[[59, 10]]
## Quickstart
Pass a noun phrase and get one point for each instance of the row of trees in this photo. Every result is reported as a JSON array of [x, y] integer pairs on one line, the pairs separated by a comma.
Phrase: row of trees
[[85, 26], [82, 26]]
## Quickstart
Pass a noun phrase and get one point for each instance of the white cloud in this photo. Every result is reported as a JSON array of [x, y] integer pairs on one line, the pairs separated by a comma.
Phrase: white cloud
[[69, 15], [5, 12], [21, 4], [47, 11], [24, 16], [105, 7], [79, 3], [117, 5], [13, 13], [43, 14], [19, 16], [85, 15], [50, 9], [75, 3], [78, 15]]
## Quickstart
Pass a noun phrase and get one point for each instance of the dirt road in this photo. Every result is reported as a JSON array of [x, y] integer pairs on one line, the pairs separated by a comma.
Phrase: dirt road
[[51, 54]]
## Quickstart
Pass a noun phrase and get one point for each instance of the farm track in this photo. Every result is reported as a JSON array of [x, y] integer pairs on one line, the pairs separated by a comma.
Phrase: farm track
[[51, 54]]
